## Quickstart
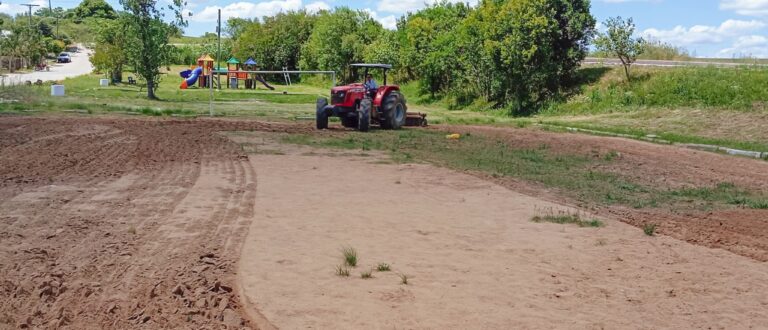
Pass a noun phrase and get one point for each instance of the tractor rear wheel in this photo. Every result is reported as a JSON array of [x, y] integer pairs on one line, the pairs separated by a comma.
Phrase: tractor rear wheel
[[364, 115], [394, 111], [321, 117]]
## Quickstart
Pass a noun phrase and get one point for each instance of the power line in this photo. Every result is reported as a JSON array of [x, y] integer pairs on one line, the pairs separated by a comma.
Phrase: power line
[[29, 5]]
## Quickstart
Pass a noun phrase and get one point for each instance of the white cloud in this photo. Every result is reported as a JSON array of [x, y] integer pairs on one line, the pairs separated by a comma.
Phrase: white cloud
[[388, 22], [746, 7], [317, 6], [403, 6], [246, 10], [704, 34], [752, 46], [13, 9]]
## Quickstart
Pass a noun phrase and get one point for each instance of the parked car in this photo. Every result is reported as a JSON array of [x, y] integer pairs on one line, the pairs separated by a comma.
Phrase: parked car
[[64, 58]]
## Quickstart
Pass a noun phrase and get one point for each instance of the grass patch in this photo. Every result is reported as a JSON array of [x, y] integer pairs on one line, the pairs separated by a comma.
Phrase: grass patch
[[649, 229], [366, 274], [403, 279], [734, 88], [382, 267], [342, 270], [566, 217], [574, 175], [350, 256], [661, 135], [762, 204]]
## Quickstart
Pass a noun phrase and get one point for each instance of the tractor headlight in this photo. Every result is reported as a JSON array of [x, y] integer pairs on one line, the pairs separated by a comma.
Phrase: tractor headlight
[[340, 94]]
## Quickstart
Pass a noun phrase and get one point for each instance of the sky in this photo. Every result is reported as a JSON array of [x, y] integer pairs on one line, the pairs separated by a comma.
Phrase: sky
[[706, 28]]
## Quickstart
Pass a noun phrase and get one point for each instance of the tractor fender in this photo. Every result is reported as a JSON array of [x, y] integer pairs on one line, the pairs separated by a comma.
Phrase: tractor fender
[[382, 93]]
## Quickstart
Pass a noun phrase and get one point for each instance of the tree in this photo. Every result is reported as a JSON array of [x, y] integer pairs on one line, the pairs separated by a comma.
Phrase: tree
[[576, 28], [111, 53], [94, 8], [620, 42], [148, 48], [276, 42], [338, 39], [429, 45], [236, 26], [45, 29]]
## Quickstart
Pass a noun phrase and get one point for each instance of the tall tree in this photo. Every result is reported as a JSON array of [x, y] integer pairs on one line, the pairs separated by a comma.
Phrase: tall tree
[[430, 47], [94, 8], [149, 49], [339, 39], [276, 42], [619, 41], [111, 50]]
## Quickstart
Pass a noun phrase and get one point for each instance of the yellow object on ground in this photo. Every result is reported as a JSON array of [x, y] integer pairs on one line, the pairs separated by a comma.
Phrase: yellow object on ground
[[454, 136]]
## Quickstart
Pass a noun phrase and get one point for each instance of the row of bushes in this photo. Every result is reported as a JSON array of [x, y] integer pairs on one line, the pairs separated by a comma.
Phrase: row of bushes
[[512, 54]]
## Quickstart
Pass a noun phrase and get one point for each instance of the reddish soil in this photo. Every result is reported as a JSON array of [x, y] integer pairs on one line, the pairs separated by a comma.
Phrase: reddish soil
[[109, 223]]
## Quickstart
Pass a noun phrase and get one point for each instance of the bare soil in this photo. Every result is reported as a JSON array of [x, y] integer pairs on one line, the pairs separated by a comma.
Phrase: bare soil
[[110, 223], [472, 255], [742, 231], [140, 223]]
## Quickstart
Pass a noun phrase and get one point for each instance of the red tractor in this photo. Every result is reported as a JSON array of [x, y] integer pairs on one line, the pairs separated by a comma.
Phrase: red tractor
[[359, 107]]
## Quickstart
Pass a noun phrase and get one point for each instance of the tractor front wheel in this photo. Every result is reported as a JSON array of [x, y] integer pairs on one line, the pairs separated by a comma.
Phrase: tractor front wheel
[[364, 115], [321, 117]]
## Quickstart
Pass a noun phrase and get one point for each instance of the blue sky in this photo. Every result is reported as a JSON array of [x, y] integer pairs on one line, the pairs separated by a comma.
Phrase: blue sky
[[707, 28]]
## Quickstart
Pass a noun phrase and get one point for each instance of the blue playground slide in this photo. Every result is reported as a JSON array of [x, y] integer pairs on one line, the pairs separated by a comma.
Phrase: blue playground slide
[[190, 77]]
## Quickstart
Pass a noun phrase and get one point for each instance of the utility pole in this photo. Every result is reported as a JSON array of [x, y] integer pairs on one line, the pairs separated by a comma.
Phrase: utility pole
[[29, 5], [218, 52]]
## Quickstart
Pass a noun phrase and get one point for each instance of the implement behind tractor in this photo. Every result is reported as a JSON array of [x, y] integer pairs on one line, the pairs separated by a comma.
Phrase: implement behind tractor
[[358, 106]]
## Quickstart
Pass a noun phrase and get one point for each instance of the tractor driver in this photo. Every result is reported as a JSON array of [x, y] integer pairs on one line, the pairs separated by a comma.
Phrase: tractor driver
[[370, 84]]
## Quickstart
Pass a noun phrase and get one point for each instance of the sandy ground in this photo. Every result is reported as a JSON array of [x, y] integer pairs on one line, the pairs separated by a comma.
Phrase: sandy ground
[[117, 223], [80, 65], [473, 257]]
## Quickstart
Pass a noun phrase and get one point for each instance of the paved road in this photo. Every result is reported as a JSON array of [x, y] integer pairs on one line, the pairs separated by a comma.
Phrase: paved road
[[80, 65], [611, 61]]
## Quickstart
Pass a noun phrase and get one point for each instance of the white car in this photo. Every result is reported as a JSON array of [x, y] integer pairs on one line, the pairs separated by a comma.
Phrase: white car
[[63, 58]]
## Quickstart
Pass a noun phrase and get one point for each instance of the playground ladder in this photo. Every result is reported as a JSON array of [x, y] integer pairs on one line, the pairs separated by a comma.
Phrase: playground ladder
[[286, 76]]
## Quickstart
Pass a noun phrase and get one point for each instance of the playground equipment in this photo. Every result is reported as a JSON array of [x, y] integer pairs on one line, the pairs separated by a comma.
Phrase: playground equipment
[[234, 72], [358, 108], [245, 72], [190, 76], [201, 74]]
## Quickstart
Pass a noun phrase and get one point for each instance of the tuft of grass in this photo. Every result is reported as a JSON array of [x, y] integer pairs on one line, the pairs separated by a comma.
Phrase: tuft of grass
[[383, 267], [350, 256], [565, 217], [611, 155], [762, 204], [649, 229], [366, 274], [342, 270], [132, 230], [403, 279]]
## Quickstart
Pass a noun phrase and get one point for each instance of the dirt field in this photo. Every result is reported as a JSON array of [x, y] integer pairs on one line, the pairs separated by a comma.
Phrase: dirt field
[[140, 223], [742, 231], [121, 223], [473, 257]]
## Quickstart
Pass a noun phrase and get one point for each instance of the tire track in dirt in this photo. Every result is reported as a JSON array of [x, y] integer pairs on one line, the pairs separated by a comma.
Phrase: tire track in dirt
[[114, 223]]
